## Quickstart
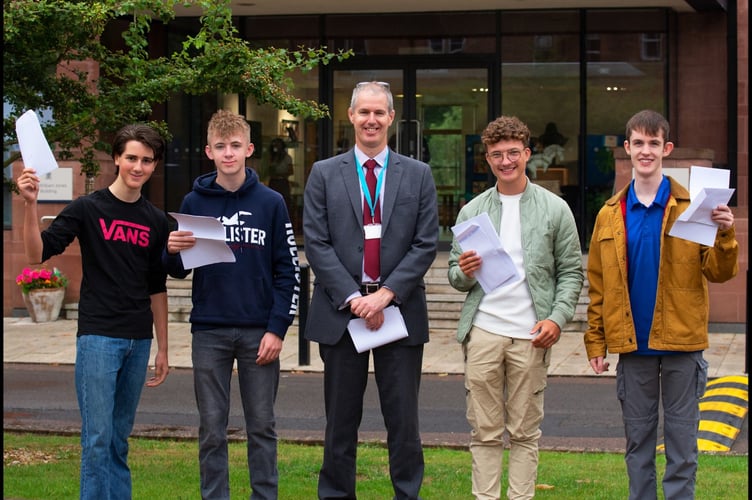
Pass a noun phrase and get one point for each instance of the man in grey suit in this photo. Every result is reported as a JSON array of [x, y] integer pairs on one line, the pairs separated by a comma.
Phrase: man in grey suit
[[340, 219]]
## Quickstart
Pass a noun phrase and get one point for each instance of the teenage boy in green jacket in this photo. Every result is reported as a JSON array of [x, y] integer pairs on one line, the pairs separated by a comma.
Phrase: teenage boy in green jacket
[[507, 334]]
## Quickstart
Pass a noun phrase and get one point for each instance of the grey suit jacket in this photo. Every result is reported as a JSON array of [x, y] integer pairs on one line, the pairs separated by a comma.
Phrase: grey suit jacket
[[333, 237]]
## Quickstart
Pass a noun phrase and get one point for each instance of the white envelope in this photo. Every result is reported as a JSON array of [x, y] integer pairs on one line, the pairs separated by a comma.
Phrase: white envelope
[[393, 329], [34, 147], [210, 247]]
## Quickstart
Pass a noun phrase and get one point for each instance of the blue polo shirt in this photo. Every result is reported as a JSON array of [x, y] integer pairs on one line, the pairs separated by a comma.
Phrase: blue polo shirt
[[644, 235]]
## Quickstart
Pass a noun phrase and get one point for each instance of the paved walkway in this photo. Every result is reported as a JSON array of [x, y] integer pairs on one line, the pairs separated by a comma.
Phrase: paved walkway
[[55, 343]]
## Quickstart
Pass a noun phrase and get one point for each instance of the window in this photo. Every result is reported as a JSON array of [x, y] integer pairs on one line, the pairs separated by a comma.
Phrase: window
[[446, 45], [651, 46], [593, 47]]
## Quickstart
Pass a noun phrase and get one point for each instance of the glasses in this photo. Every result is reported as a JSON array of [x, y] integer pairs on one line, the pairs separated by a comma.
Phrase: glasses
[[380, 84], [512, 155]]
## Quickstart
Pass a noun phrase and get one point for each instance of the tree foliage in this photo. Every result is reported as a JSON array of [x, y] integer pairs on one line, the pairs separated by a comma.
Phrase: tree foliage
[[48, 43]]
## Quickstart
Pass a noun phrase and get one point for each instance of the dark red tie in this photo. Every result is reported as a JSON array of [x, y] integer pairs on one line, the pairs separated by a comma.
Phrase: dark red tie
[[371, 263]]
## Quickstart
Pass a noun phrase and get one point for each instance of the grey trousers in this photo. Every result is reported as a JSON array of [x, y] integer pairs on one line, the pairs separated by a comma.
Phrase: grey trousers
[[678, 382]]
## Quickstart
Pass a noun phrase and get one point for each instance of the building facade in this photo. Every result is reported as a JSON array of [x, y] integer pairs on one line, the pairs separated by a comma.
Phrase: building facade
[[574, 74]]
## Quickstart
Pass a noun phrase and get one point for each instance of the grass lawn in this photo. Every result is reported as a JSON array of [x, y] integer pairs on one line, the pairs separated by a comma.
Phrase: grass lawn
[[40, 466]]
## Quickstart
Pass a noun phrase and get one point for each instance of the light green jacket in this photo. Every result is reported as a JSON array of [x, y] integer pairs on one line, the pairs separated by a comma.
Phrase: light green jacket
[[551, 254]]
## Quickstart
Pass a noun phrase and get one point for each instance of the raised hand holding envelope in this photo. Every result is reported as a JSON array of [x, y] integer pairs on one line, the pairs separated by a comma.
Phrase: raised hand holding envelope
[[34, 147], [210, 247], [708, 188]]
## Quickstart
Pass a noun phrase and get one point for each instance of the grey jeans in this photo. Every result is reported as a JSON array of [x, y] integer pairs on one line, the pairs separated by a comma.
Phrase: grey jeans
[[213, 355]]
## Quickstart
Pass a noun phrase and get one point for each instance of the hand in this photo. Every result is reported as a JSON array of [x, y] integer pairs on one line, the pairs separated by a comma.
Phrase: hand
[[180, 240], [548, 333], [269, 349], [161, 370], [723, 216], [28, 185], [599, 364], [375, 321], [469, 262], [371, 307]]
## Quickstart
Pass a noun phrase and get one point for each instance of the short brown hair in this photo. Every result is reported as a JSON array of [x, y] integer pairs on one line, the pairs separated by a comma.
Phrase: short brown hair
[[650, 122], [225, 123], [506, 128], [146, 135]]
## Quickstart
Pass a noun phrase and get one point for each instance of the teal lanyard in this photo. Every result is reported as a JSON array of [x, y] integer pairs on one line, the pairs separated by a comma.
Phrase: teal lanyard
[[364, 184]]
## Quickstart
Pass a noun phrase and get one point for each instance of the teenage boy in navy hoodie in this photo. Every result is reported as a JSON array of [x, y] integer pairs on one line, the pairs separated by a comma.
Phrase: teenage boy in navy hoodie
[[241, 310]]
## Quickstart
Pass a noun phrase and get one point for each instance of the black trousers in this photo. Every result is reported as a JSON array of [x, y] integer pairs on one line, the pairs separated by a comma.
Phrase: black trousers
[[397, 369]]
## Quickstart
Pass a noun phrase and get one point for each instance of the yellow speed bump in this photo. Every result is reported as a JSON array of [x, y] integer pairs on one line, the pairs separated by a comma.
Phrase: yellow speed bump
[[723, 408]]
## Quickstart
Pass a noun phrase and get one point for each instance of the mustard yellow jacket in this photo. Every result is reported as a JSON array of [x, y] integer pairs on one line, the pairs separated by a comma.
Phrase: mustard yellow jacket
[[680, 319]]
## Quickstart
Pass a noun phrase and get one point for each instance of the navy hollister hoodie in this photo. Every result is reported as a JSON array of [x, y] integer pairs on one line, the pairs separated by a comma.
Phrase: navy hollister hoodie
[[261, 288]]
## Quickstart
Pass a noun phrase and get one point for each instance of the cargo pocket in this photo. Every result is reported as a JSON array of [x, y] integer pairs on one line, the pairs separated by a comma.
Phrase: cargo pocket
[[702, 375], [620, 391], [547, 357]]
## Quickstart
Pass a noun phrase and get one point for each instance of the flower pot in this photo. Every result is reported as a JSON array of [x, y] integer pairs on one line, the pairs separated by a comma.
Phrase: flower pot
[[44, 304]]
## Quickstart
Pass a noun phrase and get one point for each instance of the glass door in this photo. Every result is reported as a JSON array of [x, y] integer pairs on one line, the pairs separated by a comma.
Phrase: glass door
[[451, 110], [439, 115]]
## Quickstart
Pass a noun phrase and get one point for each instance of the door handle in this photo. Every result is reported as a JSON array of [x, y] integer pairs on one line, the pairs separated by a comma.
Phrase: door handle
[[416, 145]]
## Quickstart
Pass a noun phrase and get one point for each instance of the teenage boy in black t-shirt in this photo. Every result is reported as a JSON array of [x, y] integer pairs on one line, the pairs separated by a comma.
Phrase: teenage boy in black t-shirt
[[123, 293]]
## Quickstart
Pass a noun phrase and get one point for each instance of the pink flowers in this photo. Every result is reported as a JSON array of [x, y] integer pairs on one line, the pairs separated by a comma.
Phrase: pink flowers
[[31, 279]]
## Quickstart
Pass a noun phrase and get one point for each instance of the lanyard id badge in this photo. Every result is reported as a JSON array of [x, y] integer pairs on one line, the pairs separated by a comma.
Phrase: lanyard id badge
[[367, 194], [373, 231]]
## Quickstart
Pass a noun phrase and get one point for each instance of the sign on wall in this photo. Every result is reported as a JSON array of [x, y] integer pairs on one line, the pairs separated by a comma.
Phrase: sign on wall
[[56, 185]]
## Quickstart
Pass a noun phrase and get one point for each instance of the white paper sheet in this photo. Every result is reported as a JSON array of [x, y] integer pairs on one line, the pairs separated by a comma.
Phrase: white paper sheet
[[34, 147], [694, 231], [478, 234], [707, 177], [210, 247], [393, 329], [708, 188], [700, 210]]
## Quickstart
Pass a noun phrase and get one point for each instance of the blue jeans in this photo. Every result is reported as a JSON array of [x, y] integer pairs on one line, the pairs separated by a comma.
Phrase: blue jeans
[[110, 374], [213, 354]]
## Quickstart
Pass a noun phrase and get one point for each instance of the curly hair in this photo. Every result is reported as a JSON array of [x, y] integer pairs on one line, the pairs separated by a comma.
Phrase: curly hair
[[225, 123], [506, 128]]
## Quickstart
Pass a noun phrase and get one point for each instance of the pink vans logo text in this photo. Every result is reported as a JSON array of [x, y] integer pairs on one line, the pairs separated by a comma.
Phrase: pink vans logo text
[[129, 232]]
